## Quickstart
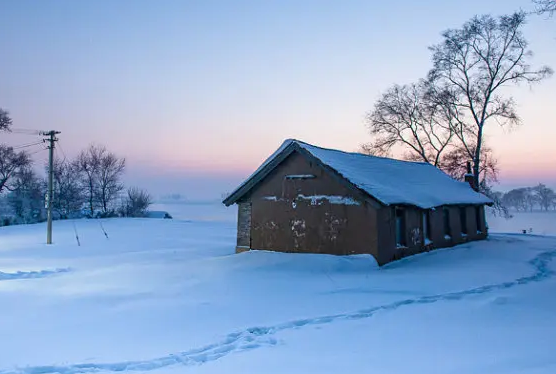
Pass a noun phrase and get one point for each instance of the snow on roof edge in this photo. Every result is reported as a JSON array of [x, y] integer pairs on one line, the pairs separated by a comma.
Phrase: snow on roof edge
[[267, 161]]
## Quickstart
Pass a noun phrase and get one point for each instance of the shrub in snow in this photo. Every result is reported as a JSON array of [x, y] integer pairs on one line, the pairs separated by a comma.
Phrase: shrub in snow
[[136, 203]]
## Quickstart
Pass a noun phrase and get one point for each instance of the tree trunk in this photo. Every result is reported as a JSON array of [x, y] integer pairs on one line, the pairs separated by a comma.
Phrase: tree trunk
[[91, 207], [477, 158]]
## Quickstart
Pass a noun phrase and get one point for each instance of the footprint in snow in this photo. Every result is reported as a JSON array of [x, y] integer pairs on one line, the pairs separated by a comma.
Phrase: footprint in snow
[[258, 337]]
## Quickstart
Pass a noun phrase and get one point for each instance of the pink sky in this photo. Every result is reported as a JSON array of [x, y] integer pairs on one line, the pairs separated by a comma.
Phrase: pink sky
[[197, 96]]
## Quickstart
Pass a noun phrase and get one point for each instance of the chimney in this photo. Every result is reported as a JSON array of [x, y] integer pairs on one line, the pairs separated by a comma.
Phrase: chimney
[[469, 177]]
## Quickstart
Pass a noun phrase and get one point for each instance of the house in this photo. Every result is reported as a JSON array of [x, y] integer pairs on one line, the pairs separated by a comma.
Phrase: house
[[309, 199]]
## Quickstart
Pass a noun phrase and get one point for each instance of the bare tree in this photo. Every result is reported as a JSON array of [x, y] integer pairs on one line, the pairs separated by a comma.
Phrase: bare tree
[[545, 196], [68, 193], [523, 198], [473, 64], [11, 164], [88, 164], [5, 120], [531, 198], [409, 116], [499, 207], [109, 186], [136, 203], [101, 172], [454, 163], [545, 6], [515, 199], [27, 197]]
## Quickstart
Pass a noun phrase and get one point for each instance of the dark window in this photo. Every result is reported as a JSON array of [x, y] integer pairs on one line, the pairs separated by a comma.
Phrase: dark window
[[478, 219], [463, 219], [426, 226], [446, 217], [400, 228]]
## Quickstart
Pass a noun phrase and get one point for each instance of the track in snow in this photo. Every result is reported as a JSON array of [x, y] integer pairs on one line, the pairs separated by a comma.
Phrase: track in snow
[[31, 274], [257, 337]]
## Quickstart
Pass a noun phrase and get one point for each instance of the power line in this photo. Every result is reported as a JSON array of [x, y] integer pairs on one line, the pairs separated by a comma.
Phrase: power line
[[28, 145], [58, 157], [23, 132], [62, 149], [40, 150]]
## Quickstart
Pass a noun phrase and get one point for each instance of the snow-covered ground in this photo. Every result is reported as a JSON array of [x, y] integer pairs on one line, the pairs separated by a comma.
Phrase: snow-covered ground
[[540, 223], [170, 296], [199, 211]]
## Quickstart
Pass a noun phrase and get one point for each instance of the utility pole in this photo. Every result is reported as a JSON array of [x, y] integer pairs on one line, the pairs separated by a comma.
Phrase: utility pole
[[51, 140]]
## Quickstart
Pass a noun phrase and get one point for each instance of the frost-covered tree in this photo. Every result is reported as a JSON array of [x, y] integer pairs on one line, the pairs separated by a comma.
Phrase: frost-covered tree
[[545, 6]]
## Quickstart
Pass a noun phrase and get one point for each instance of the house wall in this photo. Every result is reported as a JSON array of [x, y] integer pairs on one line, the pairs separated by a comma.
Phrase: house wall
[[472, 230], [415, 236], [437, 226], [318, 215], [243, 226], [482, 224]]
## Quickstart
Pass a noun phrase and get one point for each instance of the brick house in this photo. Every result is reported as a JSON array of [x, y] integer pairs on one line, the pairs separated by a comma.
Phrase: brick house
[[309, 199]]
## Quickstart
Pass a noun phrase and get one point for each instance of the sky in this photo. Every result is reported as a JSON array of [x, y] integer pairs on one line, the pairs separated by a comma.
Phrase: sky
[[196, 94]]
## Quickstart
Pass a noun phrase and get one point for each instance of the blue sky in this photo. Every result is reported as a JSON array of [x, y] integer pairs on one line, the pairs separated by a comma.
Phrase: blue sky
[[196, 94]]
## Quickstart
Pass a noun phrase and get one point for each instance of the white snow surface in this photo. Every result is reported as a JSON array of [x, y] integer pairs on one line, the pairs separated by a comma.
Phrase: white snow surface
[[537, 223], [170, 296], [390, 181]]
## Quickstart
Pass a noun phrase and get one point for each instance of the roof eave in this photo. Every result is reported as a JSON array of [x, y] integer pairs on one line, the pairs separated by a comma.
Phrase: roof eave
[[250, 182], [426, 207]]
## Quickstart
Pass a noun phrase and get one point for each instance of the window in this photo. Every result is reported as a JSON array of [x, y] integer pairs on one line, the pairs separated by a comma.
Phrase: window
[[426, 227], [463, 219], [446, 218], [478, 219], [400, 228]]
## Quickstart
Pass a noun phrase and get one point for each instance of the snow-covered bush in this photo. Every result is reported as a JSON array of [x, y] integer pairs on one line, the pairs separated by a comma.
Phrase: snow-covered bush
[[136, 203]]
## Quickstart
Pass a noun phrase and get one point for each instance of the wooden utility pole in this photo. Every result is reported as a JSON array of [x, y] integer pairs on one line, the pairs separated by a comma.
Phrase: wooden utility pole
[[51, 140]]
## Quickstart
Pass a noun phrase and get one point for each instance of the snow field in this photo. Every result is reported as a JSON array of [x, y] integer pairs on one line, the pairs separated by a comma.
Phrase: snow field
[[169, 296]]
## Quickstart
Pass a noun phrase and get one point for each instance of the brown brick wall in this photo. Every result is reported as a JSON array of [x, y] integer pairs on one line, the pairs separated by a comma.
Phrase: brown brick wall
[[297, 216]]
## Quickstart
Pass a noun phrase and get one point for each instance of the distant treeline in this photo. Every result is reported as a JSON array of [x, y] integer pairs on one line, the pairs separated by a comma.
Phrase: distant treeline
[[529, 198], [89, 185]]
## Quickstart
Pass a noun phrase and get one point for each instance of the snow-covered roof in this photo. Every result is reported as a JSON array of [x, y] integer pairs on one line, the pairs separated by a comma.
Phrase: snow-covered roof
[[390, 181]]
